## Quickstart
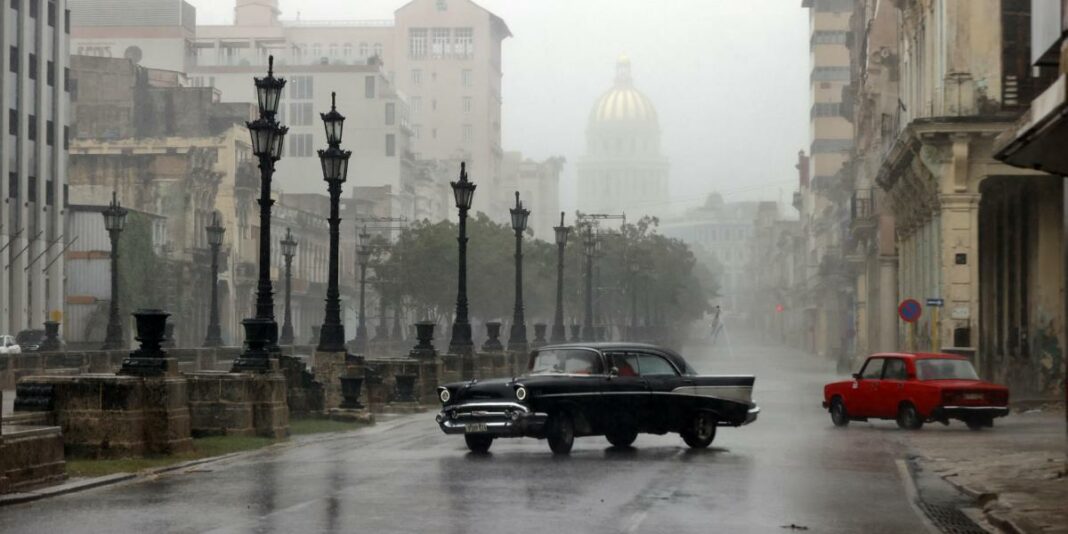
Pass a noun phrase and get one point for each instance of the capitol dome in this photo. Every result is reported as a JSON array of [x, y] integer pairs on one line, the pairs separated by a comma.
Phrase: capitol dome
[[623, 103]]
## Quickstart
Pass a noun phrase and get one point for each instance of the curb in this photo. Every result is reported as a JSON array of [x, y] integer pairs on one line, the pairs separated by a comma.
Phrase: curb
[[63, 489]]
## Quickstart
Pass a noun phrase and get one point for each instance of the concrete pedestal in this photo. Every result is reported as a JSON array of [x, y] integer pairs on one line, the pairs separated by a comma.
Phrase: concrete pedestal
[[30, 456], [242, 404]]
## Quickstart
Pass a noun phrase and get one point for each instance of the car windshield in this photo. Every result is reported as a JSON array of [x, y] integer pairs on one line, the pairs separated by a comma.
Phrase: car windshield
[[945, 369], [569, 361]]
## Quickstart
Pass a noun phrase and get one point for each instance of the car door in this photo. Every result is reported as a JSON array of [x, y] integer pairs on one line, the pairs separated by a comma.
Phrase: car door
[[625, 396], [866, 389], [667, 407], [891, 388]]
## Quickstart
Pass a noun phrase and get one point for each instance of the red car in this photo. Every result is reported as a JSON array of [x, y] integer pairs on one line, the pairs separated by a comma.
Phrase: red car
[[914, 389]]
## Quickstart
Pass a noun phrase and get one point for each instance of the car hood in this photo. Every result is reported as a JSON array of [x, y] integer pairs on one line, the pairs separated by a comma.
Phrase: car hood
[[494, 388]]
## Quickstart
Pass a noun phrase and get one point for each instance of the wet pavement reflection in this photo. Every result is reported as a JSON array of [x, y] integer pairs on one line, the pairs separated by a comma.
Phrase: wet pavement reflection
[[790, 467]]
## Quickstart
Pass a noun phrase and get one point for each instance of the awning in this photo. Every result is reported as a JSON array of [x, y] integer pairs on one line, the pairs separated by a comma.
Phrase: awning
[[1039, 137]]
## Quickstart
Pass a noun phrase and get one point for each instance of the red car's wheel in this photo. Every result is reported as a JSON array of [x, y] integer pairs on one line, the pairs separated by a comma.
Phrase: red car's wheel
[[908, 418], [839, 416]]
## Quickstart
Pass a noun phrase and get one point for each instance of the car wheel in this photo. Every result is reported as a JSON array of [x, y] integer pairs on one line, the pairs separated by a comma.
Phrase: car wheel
[[701, 432], [908, 418], [561, 433], [622, 437], [839, 416], [478, 443]]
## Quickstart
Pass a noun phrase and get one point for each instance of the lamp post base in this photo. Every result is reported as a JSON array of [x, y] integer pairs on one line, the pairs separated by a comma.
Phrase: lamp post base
[[461, 339], [517, 339], [287, 335], [257, 355], [332, 338]]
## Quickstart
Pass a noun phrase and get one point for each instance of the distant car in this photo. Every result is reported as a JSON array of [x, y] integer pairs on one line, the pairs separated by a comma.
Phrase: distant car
[[616, 390], [914, 389], [30, 340], [8, 345]]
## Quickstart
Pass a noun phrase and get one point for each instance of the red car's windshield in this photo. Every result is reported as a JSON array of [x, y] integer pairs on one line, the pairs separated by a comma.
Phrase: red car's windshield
[[945, 369]]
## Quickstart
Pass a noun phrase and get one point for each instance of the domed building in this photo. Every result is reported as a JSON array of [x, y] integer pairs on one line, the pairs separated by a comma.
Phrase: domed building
[[623, 169]]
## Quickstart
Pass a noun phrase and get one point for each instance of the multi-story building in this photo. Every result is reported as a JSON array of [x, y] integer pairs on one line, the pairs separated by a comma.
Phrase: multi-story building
[[623, 168], [723, 230], [824, 192], [157, 34], [538, 183], [33, 164], [444, 56]]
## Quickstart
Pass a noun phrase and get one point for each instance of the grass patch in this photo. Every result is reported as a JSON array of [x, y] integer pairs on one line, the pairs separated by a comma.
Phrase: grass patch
[[301, 427], [203, 448]]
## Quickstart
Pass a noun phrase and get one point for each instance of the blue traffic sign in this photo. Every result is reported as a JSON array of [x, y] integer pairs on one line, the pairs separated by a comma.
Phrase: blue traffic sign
[[936, 302], [909, 310]]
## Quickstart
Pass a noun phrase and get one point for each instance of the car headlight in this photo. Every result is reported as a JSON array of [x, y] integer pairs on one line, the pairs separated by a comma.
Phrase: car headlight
[[444, 395], [521, 393]]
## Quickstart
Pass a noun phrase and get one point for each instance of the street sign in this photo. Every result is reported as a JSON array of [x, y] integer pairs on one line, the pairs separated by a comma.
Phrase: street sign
[[936, 302], [909, 310]]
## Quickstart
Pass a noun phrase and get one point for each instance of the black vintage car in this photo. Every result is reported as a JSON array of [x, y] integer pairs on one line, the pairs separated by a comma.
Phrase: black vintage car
[[616, 390]]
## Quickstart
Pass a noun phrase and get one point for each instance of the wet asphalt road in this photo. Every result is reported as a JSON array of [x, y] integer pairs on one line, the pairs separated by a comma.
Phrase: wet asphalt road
[[404, 475]]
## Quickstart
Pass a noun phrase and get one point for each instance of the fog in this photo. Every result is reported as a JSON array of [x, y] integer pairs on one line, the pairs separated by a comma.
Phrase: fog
[[729, 80]]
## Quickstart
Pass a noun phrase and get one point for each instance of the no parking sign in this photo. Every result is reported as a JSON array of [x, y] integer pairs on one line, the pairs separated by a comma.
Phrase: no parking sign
[[909, 310]]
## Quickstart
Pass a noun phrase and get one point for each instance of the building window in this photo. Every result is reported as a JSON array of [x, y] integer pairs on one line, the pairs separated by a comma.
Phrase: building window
[[469, 132], [50, 196], [391, 145], [347, 50], [300, 146], [828, 37], [52, 14], [828, 146], [66, 79], [417, 131], [31, 188], [33, 8], [463, 44], [442, 6], [13, 59], [363, 49], [417, 43], [830, 74], [301, 88], [316, 51], [826, 109], [300, 114], [51, 74], [466, 77], [391, 113], [467, 104], [439, 42], [13, 185], [66, 27], [15, 5], [417, 76], [31, 127], [33, 66], [417, 104], [50, 132], [369, 86], [66, 138], [378, 50], [333, 50]]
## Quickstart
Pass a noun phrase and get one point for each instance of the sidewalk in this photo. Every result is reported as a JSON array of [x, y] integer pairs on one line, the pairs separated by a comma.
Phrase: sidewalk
[[1015, 471]]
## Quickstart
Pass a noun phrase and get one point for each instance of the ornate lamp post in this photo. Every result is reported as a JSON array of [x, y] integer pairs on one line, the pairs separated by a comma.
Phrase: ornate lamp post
[[115, 222], [589, 244], [268, 136], [335, 169], [517, 339], [363, 255], [215, 238], [464, 192], [289, 249], [634, 268], [559, 333]]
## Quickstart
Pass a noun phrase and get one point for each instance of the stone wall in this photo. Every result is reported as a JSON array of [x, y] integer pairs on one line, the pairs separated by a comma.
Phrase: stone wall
[[30, 456], [245, 404]]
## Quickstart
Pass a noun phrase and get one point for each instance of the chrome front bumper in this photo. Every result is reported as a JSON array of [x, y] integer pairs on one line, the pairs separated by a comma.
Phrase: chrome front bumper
[[493, 418], [751, 415]]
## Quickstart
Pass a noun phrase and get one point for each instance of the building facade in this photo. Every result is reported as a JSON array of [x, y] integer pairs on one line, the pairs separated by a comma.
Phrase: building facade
[[33, 164], [158, 34], [623, 168]]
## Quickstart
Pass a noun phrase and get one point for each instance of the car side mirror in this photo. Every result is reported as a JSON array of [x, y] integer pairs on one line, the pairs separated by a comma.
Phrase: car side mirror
[[614, 371], [856, 376]]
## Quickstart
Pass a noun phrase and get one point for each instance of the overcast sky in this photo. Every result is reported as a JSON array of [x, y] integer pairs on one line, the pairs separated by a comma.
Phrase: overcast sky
[[729, 79]]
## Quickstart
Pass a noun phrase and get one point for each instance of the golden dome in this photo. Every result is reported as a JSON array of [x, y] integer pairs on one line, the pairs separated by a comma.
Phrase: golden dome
[[623, 102]]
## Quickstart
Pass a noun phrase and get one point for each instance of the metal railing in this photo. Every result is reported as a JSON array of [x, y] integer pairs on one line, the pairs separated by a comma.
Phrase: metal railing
[[861, 205]]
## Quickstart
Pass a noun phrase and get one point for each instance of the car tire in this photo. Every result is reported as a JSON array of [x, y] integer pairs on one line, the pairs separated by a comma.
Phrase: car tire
[[478, 443], [839, 415], [622, 437], [560, 433], [908, 418], [701, 431]]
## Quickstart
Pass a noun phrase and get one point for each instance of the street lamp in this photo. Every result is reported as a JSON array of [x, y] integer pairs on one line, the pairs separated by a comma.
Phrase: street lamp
[[335, 169], [464, 192], [559, 333], [589, 245], [289, 249], [215, 238], [634, 268], [382, 330], [114, 222], [268, 137], [517, 340], [363, 255]]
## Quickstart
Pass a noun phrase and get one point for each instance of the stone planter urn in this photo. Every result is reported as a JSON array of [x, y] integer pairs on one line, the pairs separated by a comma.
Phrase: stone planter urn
[[539, 334], [493, 335], [149, 359], [51, 341], [404, 390], [576, 333], [168, 336], [424, 333], [350, 392]]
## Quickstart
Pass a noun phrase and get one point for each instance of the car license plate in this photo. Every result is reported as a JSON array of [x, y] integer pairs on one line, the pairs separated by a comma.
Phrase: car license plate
[[973, 396], [475, 427]]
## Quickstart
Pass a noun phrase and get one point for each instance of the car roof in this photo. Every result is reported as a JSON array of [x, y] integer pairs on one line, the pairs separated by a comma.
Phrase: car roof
[[918, 355], [602, 346]]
